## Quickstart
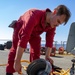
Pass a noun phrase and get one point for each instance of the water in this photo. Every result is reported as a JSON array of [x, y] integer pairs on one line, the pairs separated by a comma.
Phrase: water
[[57, 46]]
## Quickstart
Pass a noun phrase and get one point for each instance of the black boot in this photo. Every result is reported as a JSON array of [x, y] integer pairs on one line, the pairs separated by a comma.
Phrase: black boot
[[9, 73]]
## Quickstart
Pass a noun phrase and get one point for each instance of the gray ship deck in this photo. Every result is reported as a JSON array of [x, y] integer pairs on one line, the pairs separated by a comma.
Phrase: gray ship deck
[[63, 61]]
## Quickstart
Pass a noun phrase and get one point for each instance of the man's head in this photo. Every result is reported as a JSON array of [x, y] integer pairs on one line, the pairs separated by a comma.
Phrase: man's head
[[61, 14]]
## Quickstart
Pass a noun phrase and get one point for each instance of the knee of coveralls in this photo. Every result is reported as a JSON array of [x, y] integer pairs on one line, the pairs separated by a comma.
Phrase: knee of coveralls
[[10, 63], [11, 57], [35, 43], [31, 54], [9, 67]]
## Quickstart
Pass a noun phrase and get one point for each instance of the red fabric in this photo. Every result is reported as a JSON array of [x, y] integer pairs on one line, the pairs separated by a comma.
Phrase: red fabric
[[33, 25], [28, 29], [9, 66], [35, 45]]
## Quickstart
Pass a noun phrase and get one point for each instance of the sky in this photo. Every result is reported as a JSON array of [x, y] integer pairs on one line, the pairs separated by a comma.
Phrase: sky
[[12, 9]]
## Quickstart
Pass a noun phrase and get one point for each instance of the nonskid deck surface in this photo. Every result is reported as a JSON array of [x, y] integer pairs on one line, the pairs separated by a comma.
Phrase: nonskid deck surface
[[63, 61]]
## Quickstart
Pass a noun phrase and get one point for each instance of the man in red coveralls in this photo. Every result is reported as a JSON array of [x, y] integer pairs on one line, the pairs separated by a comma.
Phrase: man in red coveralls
[[28, 28]]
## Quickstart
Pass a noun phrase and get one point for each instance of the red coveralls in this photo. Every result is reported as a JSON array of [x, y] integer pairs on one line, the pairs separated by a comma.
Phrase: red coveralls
[[28, 29]]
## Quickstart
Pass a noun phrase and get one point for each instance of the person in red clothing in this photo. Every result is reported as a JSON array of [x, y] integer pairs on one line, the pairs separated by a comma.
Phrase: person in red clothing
[[28, 28]]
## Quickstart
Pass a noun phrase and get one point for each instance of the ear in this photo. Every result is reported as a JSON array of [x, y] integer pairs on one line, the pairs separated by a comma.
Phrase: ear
[[54, 12]]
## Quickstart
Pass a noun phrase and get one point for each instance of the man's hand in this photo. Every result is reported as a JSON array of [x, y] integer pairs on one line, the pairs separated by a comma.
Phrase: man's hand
[[17, 66], [17, 63], [47, 56], [50, 60]]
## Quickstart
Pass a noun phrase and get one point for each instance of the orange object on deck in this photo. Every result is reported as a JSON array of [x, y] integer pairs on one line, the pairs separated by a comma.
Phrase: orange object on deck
[[61, 50], [53, 52]]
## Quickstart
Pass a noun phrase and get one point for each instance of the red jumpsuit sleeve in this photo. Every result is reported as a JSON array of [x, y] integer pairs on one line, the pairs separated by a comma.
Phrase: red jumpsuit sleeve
[[29, 23], [50, 37]]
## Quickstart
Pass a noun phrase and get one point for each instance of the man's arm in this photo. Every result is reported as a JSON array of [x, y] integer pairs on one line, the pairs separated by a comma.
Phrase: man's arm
[[19, 53], [17, 63], [49, 43], [48, 51], [47, 56]]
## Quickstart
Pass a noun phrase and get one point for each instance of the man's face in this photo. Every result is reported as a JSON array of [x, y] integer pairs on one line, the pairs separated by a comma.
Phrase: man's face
[[57, 20]]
